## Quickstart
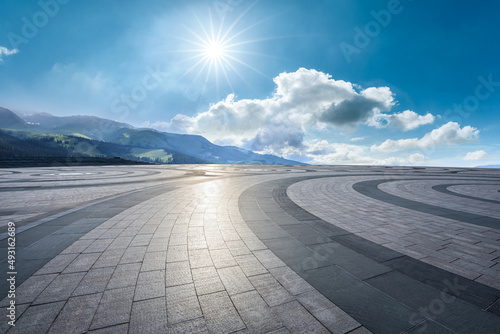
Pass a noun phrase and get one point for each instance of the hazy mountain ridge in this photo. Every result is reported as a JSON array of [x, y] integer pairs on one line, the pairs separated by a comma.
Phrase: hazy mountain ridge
[[144, 141]]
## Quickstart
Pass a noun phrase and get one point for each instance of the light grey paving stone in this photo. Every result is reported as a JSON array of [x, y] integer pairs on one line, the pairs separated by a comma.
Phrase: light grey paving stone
[[124, 275], [237, 247], [270, 289], [78, 246], [250, 265], [256, 314], [60, 288], [83, 262], [133, 254], [141, 240], [154, 261], [206, 280], [95, 233], [149, 316], [76, 314], [150, 284], [222, 258], [196, 326], [178, 273], [292, 282], [268, 259], [37, 319], [109, 258], [296, 318], [182, 303], [197, 242], [177, 253], [234, 280], [200, 258], [114, 308], [57, 264], [158, 245], [254, 244], [282, 330], [4, 325], [230, 234], [94, 281], [98, 246], [220, 314], [120, 242], [215, 241], [30, 289], [329, 314], [112, 233], [177, 239], [118, 329]]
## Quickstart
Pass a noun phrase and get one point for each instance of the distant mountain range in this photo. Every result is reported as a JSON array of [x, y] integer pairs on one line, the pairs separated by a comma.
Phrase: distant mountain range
[[22, 133]]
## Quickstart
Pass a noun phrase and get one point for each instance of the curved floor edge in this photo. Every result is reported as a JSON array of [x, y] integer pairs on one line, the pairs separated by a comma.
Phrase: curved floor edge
[[368, 281]]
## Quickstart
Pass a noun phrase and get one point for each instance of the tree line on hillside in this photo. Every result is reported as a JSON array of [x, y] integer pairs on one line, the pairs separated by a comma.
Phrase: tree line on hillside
[[25, 146]]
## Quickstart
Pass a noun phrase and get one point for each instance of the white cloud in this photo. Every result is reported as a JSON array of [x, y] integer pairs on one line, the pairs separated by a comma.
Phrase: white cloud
[[476, 155], [406, 120], [307, 101], [6, 52], [322, 152], [303, 100], [448, 134], [357, 138], [417, 157]]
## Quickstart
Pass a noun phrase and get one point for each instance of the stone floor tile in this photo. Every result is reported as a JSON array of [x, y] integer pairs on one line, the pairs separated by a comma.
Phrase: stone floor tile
[[124, 275], [114, 308], [178, 273], [37, 319], [76, 314], [149, 317], [94, 281], [271, 290], [220, 313], [296, 318], [234, 280], [206, 280], [182, 303], [256, 314], [60, 288]]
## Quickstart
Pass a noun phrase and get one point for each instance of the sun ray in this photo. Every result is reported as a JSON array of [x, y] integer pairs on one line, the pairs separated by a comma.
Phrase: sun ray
[[216, 46]]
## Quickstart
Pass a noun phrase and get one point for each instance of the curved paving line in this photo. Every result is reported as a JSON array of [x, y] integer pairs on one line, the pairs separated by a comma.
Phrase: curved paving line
[[370, 189], [384, 290], [443, 188]]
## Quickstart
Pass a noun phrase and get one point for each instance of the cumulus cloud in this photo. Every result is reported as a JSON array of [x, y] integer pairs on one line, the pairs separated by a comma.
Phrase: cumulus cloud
[[448, 134], [476, 155], [303, 100], [323, 152], [6, 52], [307, 101], [406, 120], [351, 112]]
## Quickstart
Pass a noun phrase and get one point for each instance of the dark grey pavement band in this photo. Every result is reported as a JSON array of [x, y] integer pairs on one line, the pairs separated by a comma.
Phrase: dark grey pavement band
[[368, 281]]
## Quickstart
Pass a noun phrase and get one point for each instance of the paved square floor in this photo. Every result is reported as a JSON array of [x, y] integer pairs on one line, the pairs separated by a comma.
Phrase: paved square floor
[[257, 249]]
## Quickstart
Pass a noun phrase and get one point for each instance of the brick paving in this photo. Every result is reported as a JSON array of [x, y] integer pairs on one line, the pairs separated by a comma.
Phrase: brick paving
[[187, 259]]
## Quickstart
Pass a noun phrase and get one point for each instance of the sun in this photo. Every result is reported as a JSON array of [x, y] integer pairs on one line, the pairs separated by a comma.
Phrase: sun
[[217, 50]]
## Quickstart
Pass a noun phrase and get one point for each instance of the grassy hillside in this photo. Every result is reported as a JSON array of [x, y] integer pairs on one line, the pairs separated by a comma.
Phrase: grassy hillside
[[16, 143]]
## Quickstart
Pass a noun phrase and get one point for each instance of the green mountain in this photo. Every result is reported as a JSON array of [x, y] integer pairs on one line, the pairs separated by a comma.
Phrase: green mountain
[[18, 143], [94, 136]]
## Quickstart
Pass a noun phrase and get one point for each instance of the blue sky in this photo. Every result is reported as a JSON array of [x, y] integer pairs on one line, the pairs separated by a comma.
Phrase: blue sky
[[328, 82]]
